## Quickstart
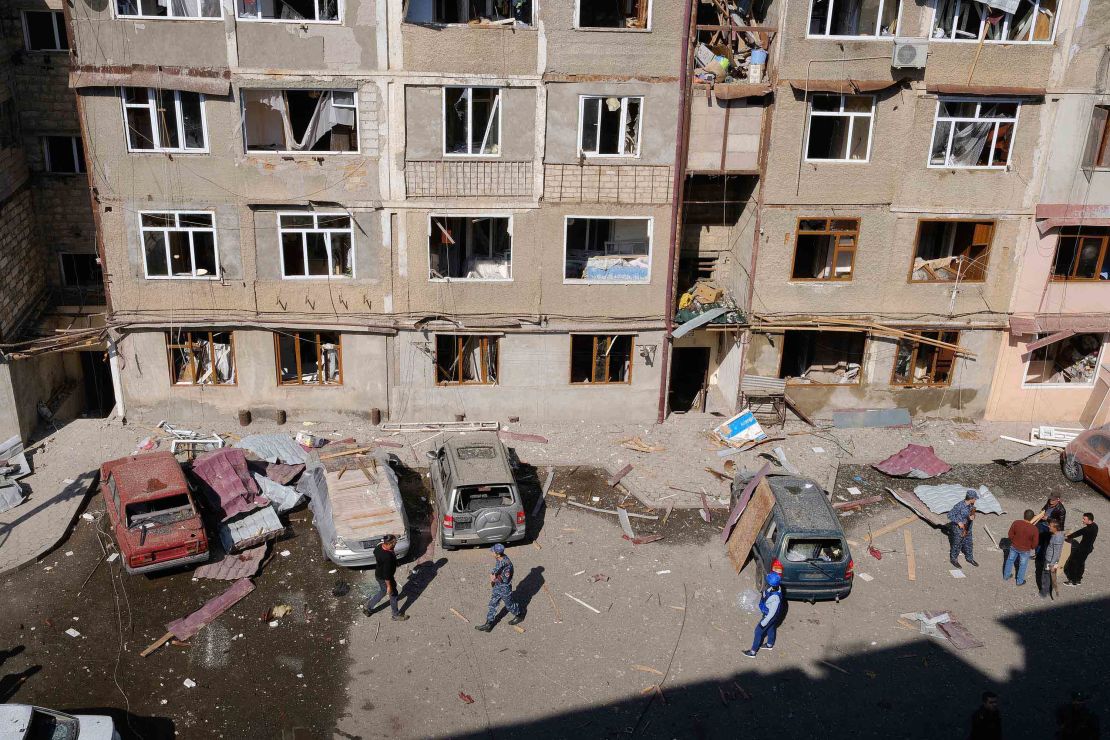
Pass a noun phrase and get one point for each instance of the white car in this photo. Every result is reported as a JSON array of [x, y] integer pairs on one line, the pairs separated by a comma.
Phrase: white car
[[25, 722]]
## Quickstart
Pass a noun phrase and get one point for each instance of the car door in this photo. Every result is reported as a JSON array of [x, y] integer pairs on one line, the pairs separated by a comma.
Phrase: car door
[[1099, 474]]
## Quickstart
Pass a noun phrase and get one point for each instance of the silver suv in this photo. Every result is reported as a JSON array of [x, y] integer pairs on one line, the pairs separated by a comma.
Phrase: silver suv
[[476, 496]]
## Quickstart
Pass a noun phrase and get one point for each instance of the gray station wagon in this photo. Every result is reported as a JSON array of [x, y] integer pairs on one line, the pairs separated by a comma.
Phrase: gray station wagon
[[476, 496]]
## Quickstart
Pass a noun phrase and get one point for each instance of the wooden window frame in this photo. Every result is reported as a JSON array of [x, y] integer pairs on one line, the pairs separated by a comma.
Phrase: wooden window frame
[[593, 360], [460, 342], [171, 346], [827, 329], [837, 249], [299, 383], [1103, 257], [986, 255], [932, 366]]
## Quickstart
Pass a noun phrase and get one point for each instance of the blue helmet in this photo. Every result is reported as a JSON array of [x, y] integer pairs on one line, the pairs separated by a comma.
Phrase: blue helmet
[[773, 579], [498, 549]]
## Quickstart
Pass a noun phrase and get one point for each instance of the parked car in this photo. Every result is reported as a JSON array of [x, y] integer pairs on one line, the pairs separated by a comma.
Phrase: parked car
[[25, 722], [1087, 458], [802, 541], [476, 495], [154, 516]]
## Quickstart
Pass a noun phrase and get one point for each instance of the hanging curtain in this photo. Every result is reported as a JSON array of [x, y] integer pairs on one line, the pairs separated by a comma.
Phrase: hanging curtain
[[968, 142]]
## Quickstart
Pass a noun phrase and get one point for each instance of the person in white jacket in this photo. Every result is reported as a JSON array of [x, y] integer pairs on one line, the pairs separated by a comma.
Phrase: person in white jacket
[[770, 605]]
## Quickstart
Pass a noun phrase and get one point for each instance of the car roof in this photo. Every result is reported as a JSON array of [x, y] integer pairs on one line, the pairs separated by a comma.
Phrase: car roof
[[802, 504], [146, 477], [478, 459], [15, 719]]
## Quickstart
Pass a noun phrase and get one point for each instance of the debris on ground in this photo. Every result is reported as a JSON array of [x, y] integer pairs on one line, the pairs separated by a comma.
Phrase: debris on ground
[[944, 625], [72, 632], [228, 487], [250, 530], [189, 683], [917, 506], [341, 589], [13, 466], [583, 603], [277, 612], [233, 566], [941, 499], [188, 626], [616, 477], [456, 612], [740, 429], [639, 445], [913, 461], [857, 504], [466, 698], [646, 669]]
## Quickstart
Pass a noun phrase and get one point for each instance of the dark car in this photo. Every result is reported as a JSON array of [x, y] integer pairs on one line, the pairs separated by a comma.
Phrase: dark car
[[802, 541]]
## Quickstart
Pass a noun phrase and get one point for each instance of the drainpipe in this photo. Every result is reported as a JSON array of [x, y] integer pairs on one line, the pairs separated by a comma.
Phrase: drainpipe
[[678, 191], [117, 385]]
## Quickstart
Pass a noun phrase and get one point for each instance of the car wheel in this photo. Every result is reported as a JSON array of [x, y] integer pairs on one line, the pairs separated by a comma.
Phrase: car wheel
[[1073, 471]]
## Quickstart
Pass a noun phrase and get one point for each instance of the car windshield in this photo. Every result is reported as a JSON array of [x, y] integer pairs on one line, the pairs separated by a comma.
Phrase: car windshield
[[474, 498], [829, 550], [159, 511], [48, 726]]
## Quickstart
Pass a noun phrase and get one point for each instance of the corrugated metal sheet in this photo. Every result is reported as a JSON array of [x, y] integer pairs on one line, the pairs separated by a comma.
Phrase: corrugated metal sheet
[[941, 499], [282, 497], [274, 448], [230, 489], [233, 566], [914, 461], [186, 627], [250, 530]]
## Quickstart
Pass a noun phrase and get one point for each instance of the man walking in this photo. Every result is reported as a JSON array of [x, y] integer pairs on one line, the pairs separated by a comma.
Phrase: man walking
[[1082, 542], [1023, 545], [501, 579], [1052, 552], [770, 605], [385, 569], [959, 530]]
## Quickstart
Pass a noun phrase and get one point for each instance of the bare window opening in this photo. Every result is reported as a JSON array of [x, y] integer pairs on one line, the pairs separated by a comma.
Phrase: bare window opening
[[316, 245], [201, 357], [168, 8], [966, 20], [164, 120], [500, 12], [63, 155], [464, 359], [853, 18], [828, 550], [716, 200], [1082, 254], [948, 251], [288, 10], [613, 14], [840, 128], [470, 248], [476, 498], [45, 30], [1096, 155], [159, 512], [81, 270], [919, 364], [973, 134], [1072, 361], [300, 120], [822, 357], [608, 250], [601, 358], [609, 126], [309, 358], [472, 121], [179, 245], [825, 249]]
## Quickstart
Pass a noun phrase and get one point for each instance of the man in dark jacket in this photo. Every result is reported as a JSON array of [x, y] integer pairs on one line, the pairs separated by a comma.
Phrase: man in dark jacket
[[986, 721], [1074, 721], [385, 569], [1082, 542]]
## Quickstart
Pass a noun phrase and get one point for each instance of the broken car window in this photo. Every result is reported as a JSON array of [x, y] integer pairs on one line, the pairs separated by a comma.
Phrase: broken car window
[[601, 358], [853, 17], [45, 30], [316, 245], [822, 550], [608, 250], [822, 357], [300, 120], [1071, 361], [466, 359], [472, 121], [613, 14], [201, 357], [47, 725], [168, 8], [288, 10], [179, 245], [159, 511], [164, 120], [825, 249], [840, 128], [973, 133], [309, 358], [966, 20], [476, 498], [470, 248], [922, 364], [1082, 254], [609, 126], [949, 251]]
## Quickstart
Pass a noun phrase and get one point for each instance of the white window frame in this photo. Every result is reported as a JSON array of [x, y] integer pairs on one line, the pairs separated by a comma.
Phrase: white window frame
[[828, 23], [58, 18], [470, 120], [852, 116], [168, 16], [623, 125], [317, 3], [298, 152], [1073, 386], [602, 217], [192, 247], [432, 230], [577, 27], [937, 119], [327, 232], [78, 154], [149, 106], [982, 21]]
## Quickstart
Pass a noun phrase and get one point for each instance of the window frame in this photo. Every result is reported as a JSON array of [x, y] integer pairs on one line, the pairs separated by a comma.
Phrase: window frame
[[177, 214], [593, 361], [979, 101], [155, 130], [432, 230], [296, 334], [248, 151], [1006, 20], [304, 243], [582, 98], [140, 16], [917, 245], [585, 281], [1073, 386], [60, 35], [339, 10], [828, 231], [498, 104], [78, 286], [916, 347], [864, 37], [865, 335], [646, 29], [1103, 256], [460, 343], [170, 347], [80, 166], [852, 116]]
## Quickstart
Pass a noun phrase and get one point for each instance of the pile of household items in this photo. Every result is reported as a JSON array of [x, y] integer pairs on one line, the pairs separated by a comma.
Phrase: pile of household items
[[725, 54], [703, 297]]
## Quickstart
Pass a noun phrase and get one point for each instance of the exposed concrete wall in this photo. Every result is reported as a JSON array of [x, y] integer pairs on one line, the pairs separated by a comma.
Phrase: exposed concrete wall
[[26, 383], [659, 119], [643, 53], [424, 115], [461, 49], [21, 262]]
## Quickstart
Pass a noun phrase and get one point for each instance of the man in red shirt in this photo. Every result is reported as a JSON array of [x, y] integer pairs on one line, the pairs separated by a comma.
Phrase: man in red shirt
[[1023, 544]]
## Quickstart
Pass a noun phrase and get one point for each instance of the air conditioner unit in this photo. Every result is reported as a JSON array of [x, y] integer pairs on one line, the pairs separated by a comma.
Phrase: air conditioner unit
[[909, 54]]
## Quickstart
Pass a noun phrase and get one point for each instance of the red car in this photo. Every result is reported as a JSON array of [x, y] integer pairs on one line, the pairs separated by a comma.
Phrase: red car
[[1087, 458], [155, 519]]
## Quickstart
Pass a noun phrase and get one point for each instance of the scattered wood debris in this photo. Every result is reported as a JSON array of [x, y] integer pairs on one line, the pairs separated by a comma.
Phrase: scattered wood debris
[[639, 445]]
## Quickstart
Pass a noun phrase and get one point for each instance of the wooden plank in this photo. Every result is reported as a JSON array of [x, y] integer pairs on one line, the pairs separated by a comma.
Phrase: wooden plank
[[891, 527], [609, 511], [1050, 339], [749, 524], [911, 561], [616, 478], [156, 644], [847, 505], [797, 411], [742, 501], [345, 453]]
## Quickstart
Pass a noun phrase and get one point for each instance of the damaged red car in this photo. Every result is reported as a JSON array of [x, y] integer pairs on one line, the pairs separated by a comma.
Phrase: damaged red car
[[154, 516], [1087, 458]]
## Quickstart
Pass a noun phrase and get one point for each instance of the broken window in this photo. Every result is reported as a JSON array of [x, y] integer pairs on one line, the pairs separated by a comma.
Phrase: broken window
[[476, 498], [1071, 361], [1097, 152], [288, 10], [608, 250], [468, 11], [840, 128], [948, 251], [168, 8], [917, 363], [465, 359], [179, 245], [822, 357], [601, 358], [609, 126], [825, 249], [828, 550], [966, 20], [316, 245], [160, 511], [1081, 254], [45, 30], [309, 358], [470, 248], [63, 155], [164, 120], [613, 14], [201, 357], [300, 120], [973, 133], [80, 270], [472, 121], [853, 17]]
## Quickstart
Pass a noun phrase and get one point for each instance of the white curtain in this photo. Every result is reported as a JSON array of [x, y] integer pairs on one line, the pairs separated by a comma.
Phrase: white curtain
[[968, 142]]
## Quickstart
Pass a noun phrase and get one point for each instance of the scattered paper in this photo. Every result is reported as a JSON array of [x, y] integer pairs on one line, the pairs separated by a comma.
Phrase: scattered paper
[[331, 571], [274, 623], [72, 632], [112, 558], [285, 553], [189, 683], [854, 491], [661, 572], [819, 450], [957, 573], [69, 553], [579, 572], [87, 517], [865, 576]]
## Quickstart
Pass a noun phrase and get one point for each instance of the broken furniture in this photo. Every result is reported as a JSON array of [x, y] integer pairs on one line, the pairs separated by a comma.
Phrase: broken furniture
[[764, 396]]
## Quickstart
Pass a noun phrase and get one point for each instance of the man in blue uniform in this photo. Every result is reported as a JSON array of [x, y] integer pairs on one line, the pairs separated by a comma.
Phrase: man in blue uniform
[[770, 605], [501, 579], [959, 530]]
